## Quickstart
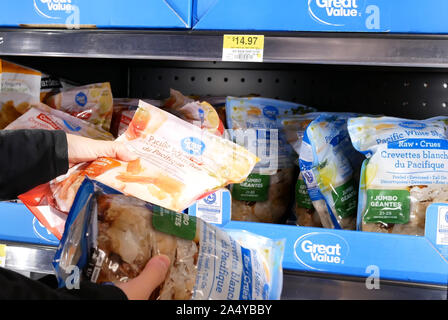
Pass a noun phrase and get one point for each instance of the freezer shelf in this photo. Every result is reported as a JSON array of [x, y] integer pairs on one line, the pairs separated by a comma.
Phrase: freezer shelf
[[29, 258], [317, 48], [309, 286]]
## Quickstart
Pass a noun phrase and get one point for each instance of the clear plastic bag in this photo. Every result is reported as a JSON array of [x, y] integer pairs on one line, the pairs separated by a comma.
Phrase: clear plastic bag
[[92, 103], [111, 237], [306, 215], [267, 195], [330, 167], [405, 171], [201, 114]]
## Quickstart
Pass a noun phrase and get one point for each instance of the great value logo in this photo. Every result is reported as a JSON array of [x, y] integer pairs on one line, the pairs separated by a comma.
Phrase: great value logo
[[81, 99], [193, 146], [320, 250], [412, 125], [339, 13], [270, 112], [54, 9]]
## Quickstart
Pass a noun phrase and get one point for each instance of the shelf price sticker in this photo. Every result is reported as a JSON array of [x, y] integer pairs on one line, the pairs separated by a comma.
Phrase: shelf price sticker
[[2, 255], [244, 48]]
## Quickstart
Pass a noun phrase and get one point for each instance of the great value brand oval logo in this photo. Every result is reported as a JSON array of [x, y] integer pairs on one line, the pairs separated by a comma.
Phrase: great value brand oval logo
[[308, 176], [270, 112], [321, 250], [193, 146], [81, 99], [412, 125]]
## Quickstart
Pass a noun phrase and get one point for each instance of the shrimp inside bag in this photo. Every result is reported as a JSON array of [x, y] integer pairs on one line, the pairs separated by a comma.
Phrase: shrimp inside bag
[[111, 237], [403, 173]]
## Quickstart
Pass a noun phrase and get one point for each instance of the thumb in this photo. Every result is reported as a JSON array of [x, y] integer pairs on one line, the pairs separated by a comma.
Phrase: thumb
[[152, 276], [121, 152]]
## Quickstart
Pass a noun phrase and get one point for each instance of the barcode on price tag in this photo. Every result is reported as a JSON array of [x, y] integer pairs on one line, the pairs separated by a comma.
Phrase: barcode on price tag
[[245, 48], [2, 255]]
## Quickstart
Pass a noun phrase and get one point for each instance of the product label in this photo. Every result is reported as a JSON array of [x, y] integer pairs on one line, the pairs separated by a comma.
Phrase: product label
[[387, 206], [345, 200], [254, 188], [248, 48], [302, 198], [210, 208], [174, 223], [409, 162], [227, 271]]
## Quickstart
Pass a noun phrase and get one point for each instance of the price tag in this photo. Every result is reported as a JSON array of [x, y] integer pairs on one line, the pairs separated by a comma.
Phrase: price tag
[[245, 48], [2, 255]]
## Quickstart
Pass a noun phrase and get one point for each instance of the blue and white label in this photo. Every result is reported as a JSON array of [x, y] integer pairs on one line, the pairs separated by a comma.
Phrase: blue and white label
[[226, 270], [319, 250], [193, 146], [209, 209], [215, 208], [81, 99]]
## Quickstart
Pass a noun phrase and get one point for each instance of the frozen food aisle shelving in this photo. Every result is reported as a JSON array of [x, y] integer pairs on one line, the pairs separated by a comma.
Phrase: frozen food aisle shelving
[[321, 48], [401, 75]]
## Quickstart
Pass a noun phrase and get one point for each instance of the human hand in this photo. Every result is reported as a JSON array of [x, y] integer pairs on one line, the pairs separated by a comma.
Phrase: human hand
[[141, 287], [81, 149]]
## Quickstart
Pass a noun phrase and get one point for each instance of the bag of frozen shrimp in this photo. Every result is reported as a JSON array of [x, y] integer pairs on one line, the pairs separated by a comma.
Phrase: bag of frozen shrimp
[[178, 163], [92, 103], [405, 170], [110, 238]]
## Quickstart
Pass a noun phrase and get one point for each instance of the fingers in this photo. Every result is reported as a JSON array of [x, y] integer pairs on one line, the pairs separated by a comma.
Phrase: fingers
[[123, 153], [141, 287], [155, 272], [81, 149]]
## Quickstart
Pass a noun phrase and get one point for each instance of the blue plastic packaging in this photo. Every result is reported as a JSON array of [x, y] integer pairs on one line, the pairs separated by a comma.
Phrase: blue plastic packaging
[[98, 13], [397, 16]]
